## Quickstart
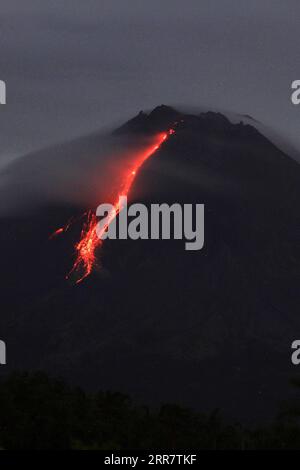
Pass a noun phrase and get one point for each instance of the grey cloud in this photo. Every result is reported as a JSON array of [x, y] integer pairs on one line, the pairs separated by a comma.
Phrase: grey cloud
[[72, 67]]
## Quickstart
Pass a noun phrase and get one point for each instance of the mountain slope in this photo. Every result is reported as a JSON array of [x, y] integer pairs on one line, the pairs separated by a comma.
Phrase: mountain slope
[[211, 328]]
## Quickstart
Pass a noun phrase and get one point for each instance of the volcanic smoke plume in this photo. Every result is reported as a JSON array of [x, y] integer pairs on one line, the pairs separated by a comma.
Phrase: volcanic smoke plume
[[89, 241], [84, 173], [81, 173]]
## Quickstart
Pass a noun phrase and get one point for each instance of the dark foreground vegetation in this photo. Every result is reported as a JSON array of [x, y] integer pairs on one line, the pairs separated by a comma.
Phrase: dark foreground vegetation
[[37, 412]]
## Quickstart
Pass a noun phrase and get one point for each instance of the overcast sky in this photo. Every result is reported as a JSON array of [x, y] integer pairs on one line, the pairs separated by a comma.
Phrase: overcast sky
[[74, 66]]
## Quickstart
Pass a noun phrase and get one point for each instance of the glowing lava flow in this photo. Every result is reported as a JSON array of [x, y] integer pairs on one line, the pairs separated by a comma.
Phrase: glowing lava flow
[[89, 241]]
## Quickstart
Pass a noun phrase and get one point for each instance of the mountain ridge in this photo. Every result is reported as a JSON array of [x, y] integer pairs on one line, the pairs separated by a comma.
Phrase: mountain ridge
[[208, 329]]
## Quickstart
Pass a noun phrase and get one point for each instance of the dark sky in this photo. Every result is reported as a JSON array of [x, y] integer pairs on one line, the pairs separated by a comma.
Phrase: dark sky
[[74, 66]]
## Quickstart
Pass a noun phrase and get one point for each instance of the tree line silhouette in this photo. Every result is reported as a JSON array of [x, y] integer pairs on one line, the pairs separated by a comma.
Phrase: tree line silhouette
[[39, 412]]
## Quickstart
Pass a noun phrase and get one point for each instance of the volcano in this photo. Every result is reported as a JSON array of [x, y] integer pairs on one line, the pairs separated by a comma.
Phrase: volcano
[[208, 329]]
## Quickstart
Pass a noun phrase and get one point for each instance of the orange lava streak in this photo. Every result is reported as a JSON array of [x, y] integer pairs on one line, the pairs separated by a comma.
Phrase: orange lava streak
[[89, 241], [86, 247], [57, 232]]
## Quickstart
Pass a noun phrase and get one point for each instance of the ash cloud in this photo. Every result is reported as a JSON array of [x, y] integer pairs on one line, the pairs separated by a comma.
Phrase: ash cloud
[[74, 65], [83, 173]]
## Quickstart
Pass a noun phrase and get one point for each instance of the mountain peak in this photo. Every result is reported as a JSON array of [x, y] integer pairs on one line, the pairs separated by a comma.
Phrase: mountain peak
[[160, 117]]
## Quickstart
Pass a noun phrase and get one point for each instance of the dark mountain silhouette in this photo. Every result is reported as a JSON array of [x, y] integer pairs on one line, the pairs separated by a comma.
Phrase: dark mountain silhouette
[[211, 328]]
